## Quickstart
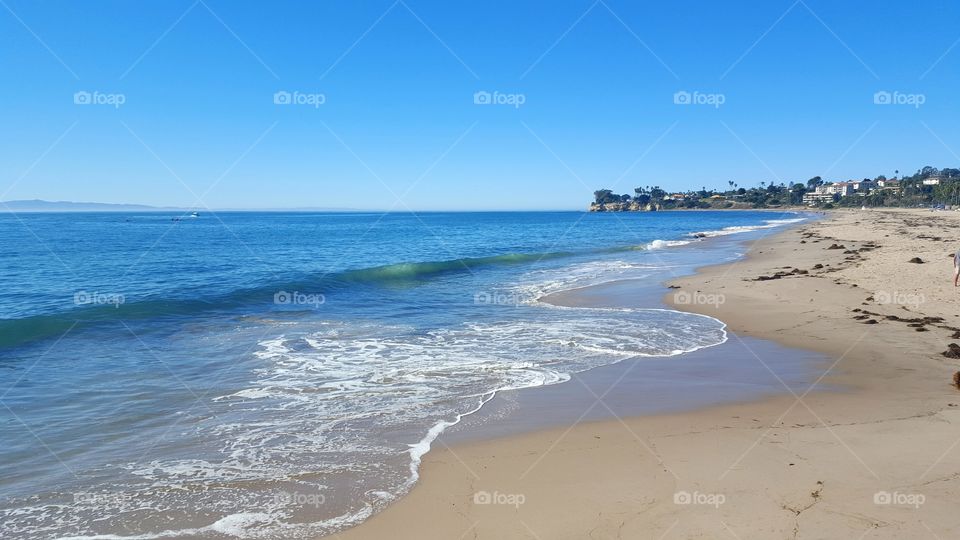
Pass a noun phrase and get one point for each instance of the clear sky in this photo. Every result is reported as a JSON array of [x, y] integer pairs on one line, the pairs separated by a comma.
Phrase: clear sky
[[586, 90]]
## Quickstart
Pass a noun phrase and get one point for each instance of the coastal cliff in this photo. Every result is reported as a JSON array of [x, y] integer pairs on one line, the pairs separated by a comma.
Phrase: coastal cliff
[[930, 187], [630, 206]]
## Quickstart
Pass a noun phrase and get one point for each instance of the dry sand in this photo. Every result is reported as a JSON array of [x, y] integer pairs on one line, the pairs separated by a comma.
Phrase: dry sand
[[879, 459]]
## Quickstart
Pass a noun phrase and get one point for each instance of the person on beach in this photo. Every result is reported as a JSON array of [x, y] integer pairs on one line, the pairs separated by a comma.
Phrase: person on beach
[[956, 267]]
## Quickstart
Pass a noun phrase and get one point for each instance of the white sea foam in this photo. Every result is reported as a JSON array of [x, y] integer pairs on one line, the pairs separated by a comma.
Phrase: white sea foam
[[663, 244], [374, 380], [235, 525], [421, 447], [361, 403], [535, 284], [768, 224]]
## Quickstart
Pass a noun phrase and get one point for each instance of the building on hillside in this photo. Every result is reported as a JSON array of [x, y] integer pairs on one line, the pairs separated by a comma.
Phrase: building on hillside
[[820, 195], [827, 192], [841, 188], [889, 185], [932, 181], [864, 185]]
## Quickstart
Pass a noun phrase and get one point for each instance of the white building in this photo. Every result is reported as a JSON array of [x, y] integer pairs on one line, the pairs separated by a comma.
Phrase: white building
[[889, 185], [813, 197], [826, 192], [841, 188]]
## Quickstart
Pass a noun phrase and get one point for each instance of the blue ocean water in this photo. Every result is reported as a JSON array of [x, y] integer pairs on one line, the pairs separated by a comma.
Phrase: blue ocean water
[[279, 375]]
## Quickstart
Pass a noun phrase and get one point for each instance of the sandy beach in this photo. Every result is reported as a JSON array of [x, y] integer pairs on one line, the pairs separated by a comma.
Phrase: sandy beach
[[869, 448]]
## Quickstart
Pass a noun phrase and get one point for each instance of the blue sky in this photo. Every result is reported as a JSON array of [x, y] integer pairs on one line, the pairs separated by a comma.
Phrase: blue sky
[[399, 129]]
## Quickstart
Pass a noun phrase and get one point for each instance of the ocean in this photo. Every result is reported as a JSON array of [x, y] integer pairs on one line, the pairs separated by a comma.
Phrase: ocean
[[280, 375]]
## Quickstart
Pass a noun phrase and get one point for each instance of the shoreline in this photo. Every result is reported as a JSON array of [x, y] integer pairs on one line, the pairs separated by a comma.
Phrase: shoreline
[[790, 209], [575, 298], [783, 210], [831, 436]]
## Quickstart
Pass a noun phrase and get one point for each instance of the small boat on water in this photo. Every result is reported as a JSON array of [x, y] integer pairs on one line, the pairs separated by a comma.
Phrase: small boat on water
[[190, 215]]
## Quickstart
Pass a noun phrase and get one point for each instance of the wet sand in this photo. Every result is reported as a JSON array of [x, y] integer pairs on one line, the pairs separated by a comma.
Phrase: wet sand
[[647, 386]]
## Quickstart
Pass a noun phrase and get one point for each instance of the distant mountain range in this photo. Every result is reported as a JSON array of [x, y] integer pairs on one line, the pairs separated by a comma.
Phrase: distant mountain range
[[38, 205]]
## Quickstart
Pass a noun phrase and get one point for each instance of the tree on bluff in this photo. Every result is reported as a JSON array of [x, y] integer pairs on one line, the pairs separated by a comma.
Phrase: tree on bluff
[[603, 196]]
